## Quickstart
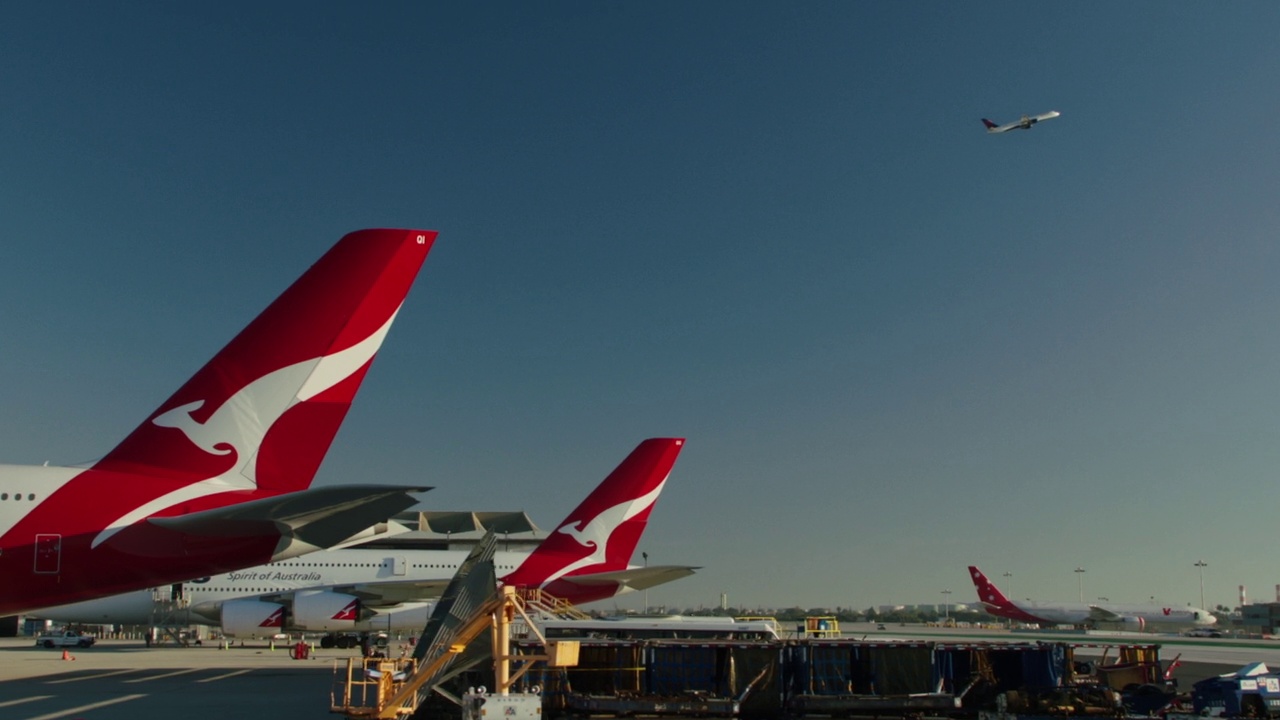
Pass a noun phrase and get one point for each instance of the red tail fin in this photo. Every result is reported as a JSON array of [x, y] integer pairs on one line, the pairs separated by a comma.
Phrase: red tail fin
[[601, 534], [988, 593], [264, 410], [989, 124]]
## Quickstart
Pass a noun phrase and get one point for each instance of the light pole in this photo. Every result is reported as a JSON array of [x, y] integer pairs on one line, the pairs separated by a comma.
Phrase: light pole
[[946, 607], [645, 555], [1079, 571], [1008, 588], [1201, 565]]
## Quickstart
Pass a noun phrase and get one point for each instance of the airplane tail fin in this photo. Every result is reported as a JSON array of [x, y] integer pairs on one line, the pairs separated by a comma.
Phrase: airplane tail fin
[[988, 593], [262, 413], [601, 534], [989, 124]]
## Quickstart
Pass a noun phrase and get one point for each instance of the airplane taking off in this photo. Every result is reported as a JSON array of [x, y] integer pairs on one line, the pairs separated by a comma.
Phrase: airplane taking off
[[586, 558], [1024, 124], [216, 478], [1122, 616]]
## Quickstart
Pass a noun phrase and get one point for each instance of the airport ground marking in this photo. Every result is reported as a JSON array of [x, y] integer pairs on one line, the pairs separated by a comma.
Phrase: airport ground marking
[[82, 678], [149, 678], [84, 708], [226, 675], [20, 701]]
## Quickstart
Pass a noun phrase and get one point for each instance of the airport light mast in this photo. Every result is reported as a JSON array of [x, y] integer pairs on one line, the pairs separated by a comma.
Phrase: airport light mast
[[1079, 571], [1201, 565], [946, 607]]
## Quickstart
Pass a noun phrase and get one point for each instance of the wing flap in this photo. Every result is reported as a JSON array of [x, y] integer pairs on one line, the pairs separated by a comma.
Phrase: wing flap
[[640, 578], [392, 592], [304, 520], [1098, 613]]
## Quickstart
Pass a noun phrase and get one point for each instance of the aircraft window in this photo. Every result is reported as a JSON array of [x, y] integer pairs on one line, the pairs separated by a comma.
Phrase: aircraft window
[[4, 496]]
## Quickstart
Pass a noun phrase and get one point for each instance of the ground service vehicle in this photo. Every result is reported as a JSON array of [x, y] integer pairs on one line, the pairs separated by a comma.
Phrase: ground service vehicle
[[69, 638]]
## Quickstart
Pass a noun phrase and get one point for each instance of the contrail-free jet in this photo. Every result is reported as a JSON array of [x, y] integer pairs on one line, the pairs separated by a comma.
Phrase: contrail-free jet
[[1122, 616], [216, 478], [586, 558], [1024, 124]]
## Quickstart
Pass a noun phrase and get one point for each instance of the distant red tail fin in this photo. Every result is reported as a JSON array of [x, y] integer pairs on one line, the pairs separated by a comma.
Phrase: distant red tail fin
[[262, 413], [988, 593], [989, 124], [601, 534]]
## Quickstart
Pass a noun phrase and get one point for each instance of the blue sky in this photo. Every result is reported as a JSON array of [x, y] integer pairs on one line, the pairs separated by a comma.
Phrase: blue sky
[[897, 345]]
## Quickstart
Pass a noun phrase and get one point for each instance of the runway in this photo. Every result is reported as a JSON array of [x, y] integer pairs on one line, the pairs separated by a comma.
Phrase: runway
[[123, 680]]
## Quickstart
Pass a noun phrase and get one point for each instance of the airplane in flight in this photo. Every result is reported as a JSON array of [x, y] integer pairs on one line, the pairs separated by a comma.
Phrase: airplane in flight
[[586, 558], [1127, 616], [217, 477], [1024, 124]]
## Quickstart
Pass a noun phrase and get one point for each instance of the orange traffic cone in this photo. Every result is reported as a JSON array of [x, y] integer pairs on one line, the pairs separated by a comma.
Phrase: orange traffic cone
[[66, 655]]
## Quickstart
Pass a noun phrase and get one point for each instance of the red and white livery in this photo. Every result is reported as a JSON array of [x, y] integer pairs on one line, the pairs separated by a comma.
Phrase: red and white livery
[[217, 477], [1119, 616], [586, 558]]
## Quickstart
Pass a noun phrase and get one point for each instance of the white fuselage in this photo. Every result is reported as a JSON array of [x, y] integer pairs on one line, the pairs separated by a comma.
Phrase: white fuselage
[[1143, 615], [202, 599]]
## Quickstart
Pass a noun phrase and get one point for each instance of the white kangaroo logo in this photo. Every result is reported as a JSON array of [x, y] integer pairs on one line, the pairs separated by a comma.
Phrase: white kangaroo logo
[[595, 533], [242, 421]]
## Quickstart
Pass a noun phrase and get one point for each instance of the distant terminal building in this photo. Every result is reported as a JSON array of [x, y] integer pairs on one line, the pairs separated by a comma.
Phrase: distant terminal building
[[1262, 618], [448, 530]]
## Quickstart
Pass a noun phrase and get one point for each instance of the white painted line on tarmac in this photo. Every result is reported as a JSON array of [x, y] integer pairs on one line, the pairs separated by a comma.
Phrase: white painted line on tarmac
[[163, 675], [19, 701], [83, 708], [82, 678], [228, 675]]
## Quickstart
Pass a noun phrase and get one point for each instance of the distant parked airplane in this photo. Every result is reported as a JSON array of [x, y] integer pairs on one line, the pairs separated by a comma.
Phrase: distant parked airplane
[[1122, 616], [217, 477], [1024, 124]]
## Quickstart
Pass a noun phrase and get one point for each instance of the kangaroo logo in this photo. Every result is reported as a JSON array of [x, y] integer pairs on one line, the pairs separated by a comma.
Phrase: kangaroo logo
[[275, 619], [264, 400], [595, 533], [349, 612], [242, 421]]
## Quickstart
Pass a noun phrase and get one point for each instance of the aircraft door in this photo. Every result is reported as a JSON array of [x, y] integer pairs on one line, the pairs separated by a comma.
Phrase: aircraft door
[[48, 554], [398, 565]]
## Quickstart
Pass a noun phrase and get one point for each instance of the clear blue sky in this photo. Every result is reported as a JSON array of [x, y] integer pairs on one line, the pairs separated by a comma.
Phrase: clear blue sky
[[897, 345]]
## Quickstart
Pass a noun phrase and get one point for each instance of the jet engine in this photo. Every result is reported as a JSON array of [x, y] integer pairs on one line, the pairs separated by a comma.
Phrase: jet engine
[[1133, 622], [323, 610], [252, 618]]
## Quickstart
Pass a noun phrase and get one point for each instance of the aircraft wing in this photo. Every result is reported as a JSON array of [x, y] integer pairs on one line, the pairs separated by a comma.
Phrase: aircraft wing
[[1098, 613], [305, 521], [640, 578], [394, 592]]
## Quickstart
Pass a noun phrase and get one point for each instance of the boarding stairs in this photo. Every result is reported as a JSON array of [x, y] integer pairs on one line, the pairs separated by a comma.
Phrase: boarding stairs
[[171, 613]]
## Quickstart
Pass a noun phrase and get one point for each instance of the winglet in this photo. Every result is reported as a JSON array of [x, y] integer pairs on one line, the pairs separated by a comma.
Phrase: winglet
[[601, 534]]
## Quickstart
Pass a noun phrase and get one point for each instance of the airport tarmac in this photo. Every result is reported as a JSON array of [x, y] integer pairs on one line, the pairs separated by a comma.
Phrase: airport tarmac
[[124, 680]]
